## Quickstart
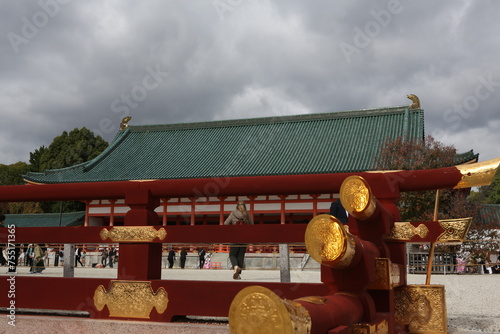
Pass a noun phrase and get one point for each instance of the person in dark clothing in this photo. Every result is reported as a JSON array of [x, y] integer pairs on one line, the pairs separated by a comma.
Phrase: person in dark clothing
[[201, 255], [338, 211], [111, 256], [237, 252], [183, 258], [171, 258], [78, 257]]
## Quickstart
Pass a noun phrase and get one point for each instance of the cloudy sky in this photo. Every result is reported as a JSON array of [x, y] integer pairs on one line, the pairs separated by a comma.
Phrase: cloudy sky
[[69, 64]]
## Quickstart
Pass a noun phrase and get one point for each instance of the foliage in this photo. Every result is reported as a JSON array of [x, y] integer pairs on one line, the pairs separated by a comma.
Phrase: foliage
[[488, 194], [483, 237], [12, 175], [68, 149], [400, 154]]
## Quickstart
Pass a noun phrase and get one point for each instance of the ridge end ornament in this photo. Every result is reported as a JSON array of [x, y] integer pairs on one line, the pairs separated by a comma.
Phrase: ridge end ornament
[[415, 101]]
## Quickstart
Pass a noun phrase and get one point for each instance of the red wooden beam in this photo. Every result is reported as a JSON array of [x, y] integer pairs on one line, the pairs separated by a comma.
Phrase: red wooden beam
[[293, 233], [381, 184]]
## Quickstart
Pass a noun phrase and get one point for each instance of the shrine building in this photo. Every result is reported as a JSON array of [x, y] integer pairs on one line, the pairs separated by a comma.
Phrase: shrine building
[[337, 142]]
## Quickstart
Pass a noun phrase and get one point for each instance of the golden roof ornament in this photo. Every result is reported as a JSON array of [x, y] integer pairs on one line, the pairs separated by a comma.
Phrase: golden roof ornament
[[124, 122], [415, 100]]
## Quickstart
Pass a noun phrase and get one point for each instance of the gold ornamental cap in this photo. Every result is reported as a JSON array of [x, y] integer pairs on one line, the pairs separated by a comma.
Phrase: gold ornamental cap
[[328, 242], [256, 310], [357, 198]]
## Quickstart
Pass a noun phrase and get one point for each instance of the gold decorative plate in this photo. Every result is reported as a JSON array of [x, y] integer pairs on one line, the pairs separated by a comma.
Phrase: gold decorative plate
[[256, 309]]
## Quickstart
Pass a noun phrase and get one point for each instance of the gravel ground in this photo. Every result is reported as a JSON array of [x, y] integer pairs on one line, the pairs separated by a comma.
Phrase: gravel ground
[[473, 301]]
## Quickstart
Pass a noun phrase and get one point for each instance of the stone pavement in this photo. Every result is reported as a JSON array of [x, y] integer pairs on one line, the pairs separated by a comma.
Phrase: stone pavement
[[472, 302]]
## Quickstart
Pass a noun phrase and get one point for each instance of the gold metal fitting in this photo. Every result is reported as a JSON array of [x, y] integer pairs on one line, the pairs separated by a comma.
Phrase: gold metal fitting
[[477, 174], [422, 308], [357, 198], [130, 299], [133, 234], [328, 242], [256, 309]]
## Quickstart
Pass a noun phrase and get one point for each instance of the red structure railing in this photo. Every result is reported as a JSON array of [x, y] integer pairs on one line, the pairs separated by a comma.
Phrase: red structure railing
[[140, 293]]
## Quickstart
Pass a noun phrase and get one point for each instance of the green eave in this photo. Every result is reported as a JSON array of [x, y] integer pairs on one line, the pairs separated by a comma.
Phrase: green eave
[[300, 144], [46, 219], [466, 157]]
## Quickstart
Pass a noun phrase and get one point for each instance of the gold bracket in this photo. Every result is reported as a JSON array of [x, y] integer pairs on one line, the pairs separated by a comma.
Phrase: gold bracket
[[130, 299], [378, 328], [455, 230], [388, 275], [133, 234], [421, 307], [405, 231]]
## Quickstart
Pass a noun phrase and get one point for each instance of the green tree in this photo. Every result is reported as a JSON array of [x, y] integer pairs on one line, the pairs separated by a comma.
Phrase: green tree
[[488, 194], [12, 175], [66, 150], [36, 158]]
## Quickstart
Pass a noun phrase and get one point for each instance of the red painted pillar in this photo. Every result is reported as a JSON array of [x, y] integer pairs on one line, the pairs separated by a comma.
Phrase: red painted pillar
[[140, 261]]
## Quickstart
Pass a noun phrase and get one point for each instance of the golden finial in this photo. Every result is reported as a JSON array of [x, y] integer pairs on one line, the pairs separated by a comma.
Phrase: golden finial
[[124, 122], [415, 100]]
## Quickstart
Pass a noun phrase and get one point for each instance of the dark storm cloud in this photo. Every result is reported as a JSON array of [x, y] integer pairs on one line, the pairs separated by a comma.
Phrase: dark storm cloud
[[67, 64]]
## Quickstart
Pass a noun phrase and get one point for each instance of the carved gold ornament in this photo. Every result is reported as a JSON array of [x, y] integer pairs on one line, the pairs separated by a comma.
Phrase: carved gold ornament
[[388, 275], [357, 198], [256, 309], [130, 299], [421, 307], [380, 328], [133, 234], [477, 174], [455, 230], [328, 242], [406, 231]]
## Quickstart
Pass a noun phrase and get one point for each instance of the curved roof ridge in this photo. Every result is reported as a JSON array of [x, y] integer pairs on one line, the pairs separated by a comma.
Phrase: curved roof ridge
[[84, 166], [120, 136]]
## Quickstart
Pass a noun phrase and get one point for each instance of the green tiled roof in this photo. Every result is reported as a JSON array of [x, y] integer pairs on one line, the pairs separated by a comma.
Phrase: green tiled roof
[[468, 156], [300, 144], [46, 219]]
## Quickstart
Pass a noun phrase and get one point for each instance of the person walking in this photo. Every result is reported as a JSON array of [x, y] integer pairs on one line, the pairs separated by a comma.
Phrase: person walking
[[201, 256], [111, 256], [237, 252], [78, 257], [171, 258], [104, 257], [183, 258], [38, 260]]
